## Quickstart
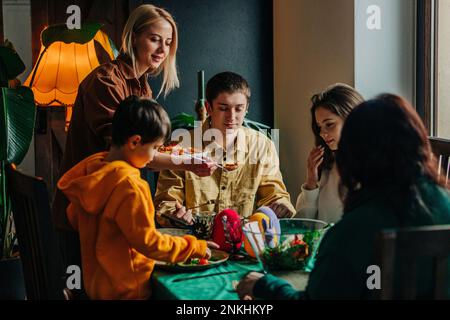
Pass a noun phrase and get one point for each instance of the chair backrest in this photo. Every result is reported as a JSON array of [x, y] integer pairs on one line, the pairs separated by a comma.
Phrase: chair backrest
[[39, 251], [441, 149], [407, 246]]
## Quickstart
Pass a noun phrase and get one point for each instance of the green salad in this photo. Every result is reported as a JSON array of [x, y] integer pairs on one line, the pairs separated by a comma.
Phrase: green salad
[[292, 252]]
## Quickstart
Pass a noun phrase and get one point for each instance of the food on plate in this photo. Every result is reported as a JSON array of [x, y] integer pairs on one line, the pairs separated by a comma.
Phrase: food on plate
[[169, 149], [177, 149], [197, 261], [231, 166], [193, 264], [192, 150]]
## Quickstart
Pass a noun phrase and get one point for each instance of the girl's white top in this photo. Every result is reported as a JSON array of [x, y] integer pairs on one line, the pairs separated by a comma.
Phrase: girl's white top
[[324, 202]]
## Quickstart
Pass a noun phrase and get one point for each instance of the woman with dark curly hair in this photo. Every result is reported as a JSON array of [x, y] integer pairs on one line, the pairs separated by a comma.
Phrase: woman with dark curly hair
[[387, 167]]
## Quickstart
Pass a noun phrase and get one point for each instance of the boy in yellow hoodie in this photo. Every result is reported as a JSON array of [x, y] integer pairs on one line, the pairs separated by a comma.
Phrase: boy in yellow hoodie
[[111, 208]]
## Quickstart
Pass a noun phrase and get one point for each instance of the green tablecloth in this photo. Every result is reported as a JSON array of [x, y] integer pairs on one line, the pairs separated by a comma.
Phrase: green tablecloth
[[214, 287]]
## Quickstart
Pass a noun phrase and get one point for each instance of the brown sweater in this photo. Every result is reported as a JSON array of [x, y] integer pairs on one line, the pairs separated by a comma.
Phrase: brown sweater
[[98, 96]]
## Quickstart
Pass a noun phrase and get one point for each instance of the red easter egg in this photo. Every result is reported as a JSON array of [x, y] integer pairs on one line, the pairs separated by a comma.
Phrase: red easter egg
[[227, 230]]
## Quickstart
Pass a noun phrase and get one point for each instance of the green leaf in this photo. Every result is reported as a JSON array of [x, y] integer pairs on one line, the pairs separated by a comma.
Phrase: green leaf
[[183, 121], [17, 118], [60, 32], [184, 117], [11, 63]]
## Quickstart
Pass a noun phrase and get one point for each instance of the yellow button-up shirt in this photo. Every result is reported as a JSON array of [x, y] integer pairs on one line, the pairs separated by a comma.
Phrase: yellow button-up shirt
[[256, 181]]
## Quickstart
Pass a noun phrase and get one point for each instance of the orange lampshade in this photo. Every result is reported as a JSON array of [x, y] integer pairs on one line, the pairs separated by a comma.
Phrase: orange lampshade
[[61, 69]]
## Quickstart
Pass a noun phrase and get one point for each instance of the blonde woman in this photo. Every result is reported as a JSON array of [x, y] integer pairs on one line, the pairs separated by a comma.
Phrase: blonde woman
[[149, 47]]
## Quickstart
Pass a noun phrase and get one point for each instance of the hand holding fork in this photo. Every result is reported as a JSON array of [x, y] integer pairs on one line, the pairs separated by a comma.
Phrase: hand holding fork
[[183, 215]]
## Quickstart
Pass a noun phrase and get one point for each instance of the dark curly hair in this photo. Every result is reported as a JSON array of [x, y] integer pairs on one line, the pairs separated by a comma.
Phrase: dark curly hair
[[339, 99], [384, 145]]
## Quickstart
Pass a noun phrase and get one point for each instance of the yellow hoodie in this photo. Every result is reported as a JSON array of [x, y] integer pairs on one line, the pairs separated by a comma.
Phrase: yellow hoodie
[[112, 209]]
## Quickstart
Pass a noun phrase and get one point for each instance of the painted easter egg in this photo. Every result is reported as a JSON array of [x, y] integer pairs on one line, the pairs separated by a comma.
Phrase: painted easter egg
[[259, 217], [227, 231]]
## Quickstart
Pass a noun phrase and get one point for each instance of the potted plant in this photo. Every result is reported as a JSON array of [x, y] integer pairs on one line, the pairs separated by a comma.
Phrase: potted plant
[[17, 117]]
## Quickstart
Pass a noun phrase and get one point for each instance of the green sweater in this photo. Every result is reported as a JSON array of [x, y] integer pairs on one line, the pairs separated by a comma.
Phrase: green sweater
[[347, 249]]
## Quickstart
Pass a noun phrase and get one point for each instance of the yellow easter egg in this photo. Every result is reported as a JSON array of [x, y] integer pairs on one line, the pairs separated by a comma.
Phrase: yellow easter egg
[[258, 216]]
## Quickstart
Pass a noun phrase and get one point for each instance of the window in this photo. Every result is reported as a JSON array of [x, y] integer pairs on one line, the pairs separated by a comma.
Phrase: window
[[442, 85], [433, 76], [433, 66]]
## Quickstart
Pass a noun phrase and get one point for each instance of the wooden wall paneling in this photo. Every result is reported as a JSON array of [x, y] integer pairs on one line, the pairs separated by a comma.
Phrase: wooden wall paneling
[[43, 147], [58, 143], [113, 14], [39, 20]]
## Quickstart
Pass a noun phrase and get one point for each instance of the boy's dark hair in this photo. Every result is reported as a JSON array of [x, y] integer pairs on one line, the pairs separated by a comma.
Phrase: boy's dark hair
[[229, 82], [140, 116]]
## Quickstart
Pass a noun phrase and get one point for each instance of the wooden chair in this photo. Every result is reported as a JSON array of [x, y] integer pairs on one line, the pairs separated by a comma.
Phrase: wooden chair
[[406, 246], [39, 251], [441, 149]]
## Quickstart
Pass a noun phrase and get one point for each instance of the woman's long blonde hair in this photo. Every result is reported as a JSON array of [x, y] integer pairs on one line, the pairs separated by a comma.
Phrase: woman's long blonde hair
[[139, 19]]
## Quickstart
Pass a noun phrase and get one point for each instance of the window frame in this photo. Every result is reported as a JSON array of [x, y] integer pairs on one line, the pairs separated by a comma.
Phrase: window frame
[[426, 63]]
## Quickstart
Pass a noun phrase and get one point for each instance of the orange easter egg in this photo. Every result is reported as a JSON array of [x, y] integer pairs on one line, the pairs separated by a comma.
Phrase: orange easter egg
[[258, 216]]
